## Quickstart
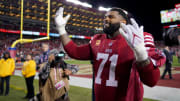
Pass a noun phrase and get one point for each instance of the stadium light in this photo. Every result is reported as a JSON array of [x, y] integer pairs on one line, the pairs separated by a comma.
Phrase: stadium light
[[80, 3], [103, 9]]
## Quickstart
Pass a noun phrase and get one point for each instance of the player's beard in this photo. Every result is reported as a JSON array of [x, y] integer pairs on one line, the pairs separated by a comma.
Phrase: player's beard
[[111, 29]]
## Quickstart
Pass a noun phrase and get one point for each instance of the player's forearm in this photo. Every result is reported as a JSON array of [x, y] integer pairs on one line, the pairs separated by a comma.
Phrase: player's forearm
[[151, 78], [149, 74], [65, 39], [78, 52]]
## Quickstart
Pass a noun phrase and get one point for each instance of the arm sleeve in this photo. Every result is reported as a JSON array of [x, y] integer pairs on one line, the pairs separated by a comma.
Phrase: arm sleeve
[[82, 52], [150, 74], [157, 56]]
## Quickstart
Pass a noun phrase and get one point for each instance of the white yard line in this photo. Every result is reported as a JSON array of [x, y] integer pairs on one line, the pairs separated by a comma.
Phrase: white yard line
[[162, 93]]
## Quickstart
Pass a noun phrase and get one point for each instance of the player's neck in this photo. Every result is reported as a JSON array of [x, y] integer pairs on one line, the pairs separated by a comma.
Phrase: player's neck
[[113, 35]]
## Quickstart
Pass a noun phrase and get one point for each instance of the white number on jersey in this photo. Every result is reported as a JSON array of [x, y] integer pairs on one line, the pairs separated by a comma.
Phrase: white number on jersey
[[111, 82]]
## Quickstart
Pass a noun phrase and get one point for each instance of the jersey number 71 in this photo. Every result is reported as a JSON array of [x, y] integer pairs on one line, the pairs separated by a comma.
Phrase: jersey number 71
[[111, 81]]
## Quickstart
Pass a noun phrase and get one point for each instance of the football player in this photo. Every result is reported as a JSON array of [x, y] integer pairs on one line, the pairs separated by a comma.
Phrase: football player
[[123, 58]]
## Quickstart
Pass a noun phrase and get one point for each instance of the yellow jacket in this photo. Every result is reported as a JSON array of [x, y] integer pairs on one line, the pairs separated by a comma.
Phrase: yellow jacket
[[29, 68], [7, 67]]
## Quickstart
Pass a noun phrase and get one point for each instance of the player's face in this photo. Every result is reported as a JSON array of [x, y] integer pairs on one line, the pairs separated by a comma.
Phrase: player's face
[[112, 22]]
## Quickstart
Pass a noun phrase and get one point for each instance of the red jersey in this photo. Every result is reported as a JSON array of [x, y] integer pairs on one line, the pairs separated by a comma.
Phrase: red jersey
[[117, 78]]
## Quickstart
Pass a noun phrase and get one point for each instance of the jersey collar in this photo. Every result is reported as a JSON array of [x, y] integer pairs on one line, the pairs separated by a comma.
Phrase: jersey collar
[[114, 38]]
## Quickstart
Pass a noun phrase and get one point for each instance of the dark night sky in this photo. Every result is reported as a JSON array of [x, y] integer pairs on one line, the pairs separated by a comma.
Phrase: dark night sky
[[146, 12]]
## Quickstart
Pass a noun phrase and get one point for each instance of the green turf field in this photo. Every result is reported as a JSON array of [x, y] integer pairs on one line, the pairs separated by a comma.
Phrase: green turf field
[[72, 61], [18, 89], [175, 61]]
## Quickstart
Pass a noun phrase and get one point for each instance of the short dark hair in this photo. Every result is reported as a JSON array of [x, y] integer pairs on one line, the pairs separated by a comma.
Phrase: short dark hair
[[6, 52], [126, 15]]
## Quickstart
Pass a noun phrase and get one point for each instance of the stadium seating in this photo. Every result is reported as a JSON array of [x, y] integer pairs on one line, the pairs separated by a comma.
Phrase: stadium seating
[[83, 20]]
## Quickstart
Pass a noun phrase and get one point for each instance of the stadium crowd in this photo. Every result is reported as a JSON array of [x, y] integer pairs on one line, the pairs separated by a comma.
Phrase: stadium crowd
[[33, 48]]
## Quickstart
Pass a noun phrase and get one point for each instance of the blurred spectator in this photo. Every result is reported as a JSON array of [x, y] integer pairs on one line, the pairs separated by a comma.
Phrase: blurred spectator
[[7, 66], [44, 56], [29, 71], [168, 65], [33, 48]]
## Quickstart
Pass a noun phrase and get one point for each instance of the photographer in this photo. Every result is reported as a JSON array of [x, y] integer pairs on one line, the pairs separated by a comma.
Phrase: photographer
[[54, 76]]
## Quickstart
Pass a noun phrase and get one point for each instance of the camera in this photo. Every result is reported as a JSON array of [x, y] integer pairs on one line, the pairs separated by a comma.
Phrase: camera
[[59, 56], [171, 36]]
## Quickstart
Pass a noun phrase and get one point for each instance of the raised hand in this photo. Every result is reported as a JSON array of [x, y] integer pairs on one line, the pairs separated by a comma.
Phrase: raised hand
[[60, 21], [135, 37]]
